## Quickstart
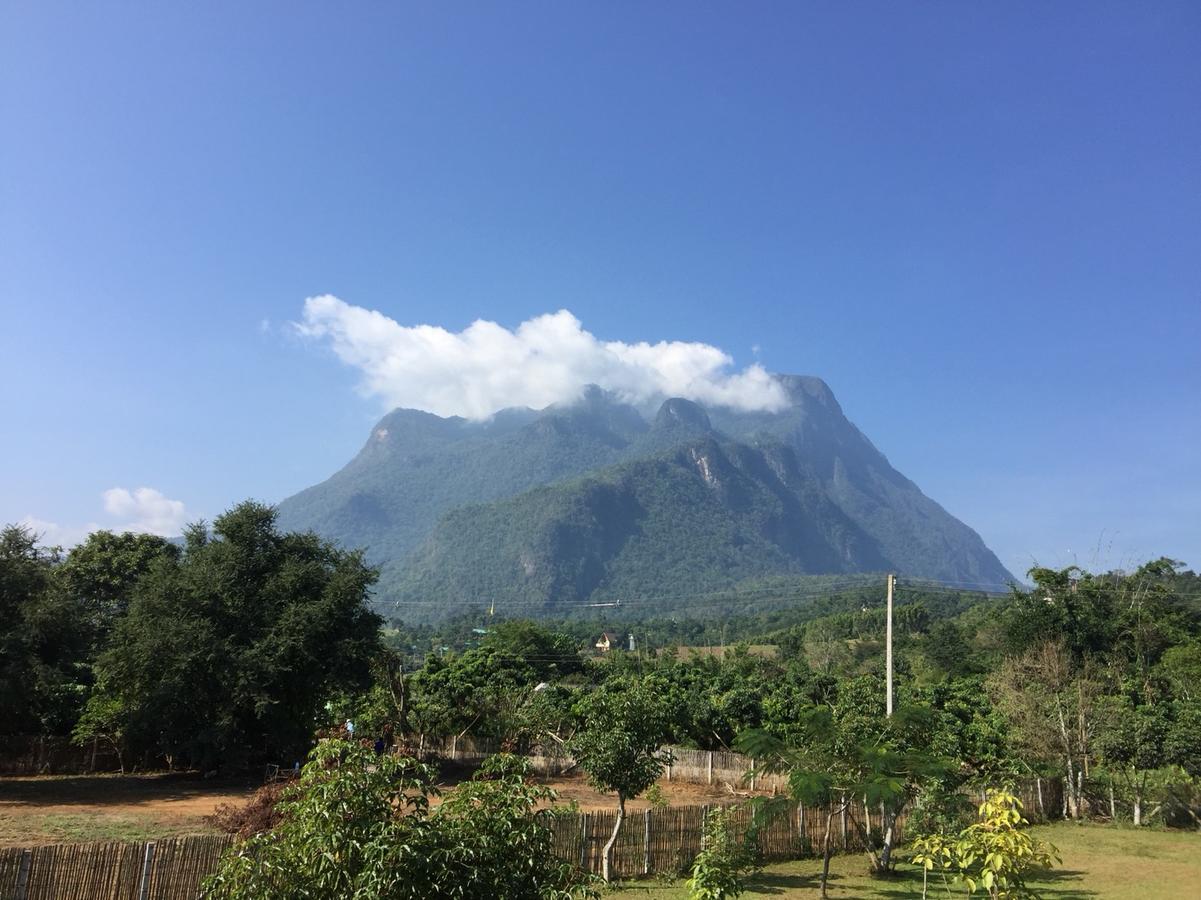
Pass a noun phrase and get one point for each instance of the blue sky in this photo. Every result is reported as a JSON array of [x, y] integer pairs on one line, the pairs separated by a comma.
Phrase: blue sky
[[980, 223]]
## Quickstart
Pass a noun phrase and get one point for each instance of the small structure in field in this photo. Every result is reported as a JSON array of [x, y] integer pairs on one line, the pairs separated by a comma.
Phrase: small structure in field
[[608, 640]]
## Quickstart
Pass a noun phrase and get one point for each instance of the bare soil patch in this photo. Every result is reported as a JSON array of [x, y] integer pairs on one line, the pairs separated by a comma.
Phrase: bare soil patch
[[676, 793], [56, 809], [76, 808]]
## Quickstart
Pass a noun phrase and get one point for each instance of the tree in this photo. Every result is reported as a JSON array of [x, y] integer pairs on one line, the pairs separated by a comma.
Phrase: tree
[[838, 756], [42, 645], [360, 825], [618, 747], [101, 572], [231, 650], [1052, 702], [1131, 741]]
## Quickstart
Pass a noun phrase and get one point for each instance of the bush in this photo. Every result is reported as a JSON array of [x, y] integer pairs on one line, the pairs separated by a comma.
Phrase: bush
[[360, 825], [994, 855], [722, 864]]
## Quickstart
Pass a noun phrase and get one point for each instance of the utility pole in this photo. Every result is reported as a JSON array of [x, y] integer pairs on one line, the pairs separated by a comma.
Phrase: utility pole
[[888, 815], [888, 649]]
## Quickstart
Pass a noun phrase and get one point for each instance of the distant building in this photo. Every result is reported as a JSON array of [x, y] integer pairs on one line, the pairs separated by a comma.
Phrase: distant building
[[608, 641]]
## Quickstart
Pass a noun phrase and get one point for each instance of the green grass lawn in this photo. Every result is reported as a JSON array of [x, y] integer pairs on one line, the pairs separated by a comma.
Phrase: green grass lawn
[[1099, 861]]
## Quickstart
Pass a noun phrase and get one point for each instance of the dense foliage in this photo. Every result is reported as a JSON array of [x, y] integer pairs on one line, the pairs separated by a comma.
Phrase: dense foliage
[[215, 653], [236, 644], [359, 824]]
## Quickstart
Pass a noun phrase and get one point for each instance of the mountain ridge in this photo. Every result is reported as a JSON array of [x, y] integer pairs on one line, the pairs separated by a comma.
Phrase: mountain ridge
[[565, 505]]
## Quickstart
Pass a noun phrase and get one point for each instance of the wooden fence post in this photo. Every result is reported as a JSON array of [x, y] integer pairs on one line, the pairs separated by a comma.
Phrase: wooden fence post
[[752, 774], [454, 747], [646, 844], [710, 767], [1042, 811], [844, 823], [147, 866], [23, 875], [583, 839]]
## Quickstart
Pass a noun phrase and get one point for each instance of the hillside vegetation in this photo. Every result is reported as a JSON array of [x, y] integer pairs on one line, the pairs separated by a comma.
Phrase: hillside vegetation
[[596, 501]]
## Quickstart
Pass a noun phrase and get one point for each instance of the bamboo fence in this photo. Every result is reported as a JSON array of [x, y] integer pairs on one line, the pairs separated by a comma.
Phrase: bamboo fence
[[170, 869], [663, 840]]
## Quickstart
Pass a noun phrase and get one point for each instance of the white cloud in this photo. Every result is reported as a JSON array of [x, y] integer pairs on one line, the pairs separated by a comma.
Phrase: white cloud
[[52, 534], [547, 359], [145, 509], [142, 509]]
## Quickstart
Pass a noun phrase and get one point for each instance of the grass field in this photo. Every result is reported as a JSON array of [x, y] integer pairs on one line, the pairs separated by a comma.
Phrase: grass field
[[1099, 861]]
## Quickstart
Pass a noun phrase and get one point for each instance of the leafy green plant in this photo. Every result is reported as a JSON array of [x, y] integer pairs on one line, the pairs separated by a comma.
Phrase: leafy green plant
[[993, 855], [360, 825], [618, 748], [656, 798], [720, 868]]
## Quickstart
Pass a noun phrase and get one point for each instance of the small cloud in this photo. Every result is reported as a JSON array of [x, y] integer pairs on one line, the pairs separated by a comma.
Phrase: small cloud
[[264, 326], [145, 509], [51, 534], [545, 360]]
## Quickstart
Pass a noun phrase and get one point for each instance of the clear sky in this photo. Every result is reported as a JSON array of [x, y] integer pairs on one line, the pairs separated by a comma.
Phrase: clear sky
[[980, 223]]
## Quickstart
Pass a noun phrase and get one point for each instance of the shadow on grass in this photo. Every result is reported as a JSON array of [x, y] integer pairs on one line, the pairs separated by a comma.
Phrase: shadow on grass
[[779, 882], [1058, 888], [1051, 885], [116, 790]]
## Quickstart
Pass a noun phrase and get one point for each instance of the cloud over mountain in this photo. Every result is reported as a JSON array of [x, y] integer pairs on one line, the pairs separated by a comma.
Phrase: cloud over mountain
[[544, 360]]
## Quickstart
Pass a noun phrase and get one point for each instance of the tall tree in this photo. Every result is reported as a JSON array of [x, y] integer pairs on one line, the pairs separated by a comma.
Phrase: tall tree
[[42, 647], [231, 650], [100, 574], [618, 747]]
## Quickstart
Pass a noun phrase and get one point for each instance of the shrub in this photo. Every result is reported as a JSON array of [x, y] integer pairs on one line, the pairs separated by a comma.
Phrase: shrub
[[722, 864], [994, 855], [360, 825]]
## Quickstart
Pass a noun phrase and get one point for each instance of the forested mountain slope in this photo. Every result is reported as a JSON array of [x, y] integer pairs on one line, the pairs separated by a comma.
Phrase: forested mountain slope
[[600, 500]]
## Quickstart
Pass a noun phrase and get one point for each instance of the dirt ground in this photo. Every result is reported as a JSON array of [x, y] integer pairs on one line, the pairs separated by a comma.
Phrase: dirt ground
[[62, 809], [54, 809]]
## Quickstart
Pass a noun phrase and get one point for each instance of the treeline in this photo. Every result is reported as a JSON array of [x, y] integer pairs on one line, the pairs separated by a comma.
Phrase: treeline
[[216, 651], [1089, 677], [763, 611], [237, 644]]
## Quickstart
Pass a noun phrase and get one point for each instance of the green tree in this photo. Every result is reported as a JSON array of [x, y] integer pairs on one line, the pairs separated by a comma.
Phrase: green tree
[[43, 648], [618, 747], [100, 574], [1131, 742], [231, 650], [840, 755]]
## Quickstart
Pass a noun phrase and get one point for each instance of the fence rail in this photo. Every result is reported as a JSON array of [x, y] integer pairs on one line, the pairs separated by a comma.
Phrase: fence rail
[[694, 766]]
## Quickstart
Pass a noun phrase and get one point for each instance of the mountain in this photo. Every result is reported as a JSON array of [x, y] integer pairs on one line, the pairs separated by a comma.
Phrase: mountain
[[596, 501]]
